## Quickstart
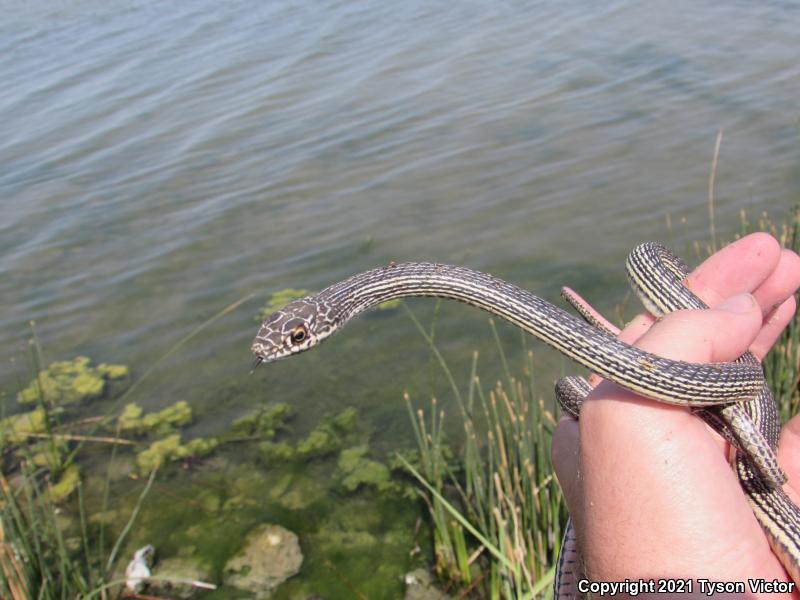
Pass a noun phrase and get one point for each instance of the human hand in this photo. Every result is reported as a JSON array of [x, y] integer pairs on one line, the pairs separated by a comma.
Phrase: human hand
[[648, 485]]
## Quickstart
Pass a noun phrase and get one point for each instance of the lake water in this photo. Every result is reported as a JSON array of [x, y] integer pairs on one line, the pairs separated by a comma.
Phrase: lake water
[[158, 164]]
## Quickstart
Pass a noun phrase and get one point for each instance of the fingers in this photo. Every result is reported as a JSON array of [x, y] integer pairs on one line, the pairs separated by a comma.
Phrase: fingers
[[776, 300], [756, 264], [773, 326], [739, 267], [781, 283], [716, 335]]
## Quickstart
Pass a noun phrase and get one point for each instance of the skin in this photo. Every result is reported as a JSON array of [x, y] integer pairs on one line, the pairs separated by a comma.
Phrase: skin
[[648, 485]]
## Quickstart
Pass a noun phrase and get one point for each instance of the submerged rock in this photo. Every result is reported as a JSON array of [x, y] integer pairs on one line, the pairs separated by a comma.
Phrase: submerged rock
[[419, 586], [270, 556], [70, 382], [181, 577]]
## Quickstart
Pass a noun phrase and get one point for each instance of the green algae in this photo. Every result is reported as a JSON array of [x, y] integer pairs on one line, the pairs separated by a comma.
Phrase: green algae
[[242, 497], [389, 304], [330, 436], [278, 300], [163, 422], [346, 421], [113, 371], [48, 453], [368, 540], [16, 427], [70, 382], [354, 471], [298, 491], [271, 452], [170, 449], [265, 421], [131, 417], [319, 442], [66, 484]]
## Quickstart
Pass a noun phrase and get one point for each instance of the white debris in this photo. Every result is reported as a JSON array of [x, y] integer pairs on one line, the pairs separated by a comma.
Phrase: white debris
[[138, 569]]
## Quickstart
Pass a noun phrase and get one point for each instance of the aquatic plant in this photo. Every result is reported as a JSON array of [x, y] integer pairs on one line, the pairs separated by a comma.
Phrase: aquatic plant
[[390, 304], [329, 436], [498, 514], [70, 381], [265, 421], [170, 448], [17, 428], [346, 421], [355, 470], [278, 300], [321, 441], [271, 452], [37, 558], [133, 419], [66, 484]]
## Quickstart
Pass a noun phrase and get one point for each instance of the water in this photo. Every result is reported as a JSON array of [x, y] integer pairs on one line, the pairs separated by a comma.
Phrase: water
[[156, 166]]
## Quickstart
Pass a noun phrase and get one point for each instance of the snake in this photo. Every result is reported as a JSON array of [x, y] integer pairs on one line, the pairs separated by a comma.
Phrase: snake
[[730, 396]]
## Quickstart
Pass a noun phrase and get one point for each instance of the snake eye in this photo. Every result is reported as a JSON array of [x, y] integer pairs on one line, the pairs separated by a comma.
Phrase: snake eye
[[299, 333]]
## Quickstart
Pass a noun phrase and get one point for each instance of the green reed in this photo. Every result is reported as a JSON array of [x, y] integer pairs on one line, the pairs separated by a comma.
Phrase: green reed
[[497, 510], [782, 364]]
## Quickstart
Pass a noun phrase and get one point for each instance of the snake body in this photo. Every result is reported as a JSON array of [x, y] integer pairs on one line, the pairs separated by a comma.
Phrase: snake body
[[306, 322], [313, 318]]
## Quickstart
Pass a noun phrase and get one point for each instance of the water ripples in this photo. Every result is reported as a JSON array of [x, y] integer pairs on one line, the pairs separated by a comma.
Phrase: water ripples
[[157, 163]]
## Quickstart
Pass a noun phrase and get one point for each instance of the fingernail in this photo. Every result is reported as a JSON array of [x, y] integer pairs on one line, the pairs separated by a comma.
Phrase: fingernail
[[741, 303]]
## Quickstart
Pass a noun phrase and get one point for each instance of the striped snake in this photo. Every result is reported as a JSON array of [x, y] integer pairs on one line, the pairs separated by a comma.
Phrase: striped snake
[[732, 397]]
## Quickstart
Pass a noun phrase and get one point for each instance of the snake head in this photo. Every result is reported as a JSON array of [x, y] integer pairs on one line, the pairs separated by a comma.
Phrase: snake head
[[293, 329]]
